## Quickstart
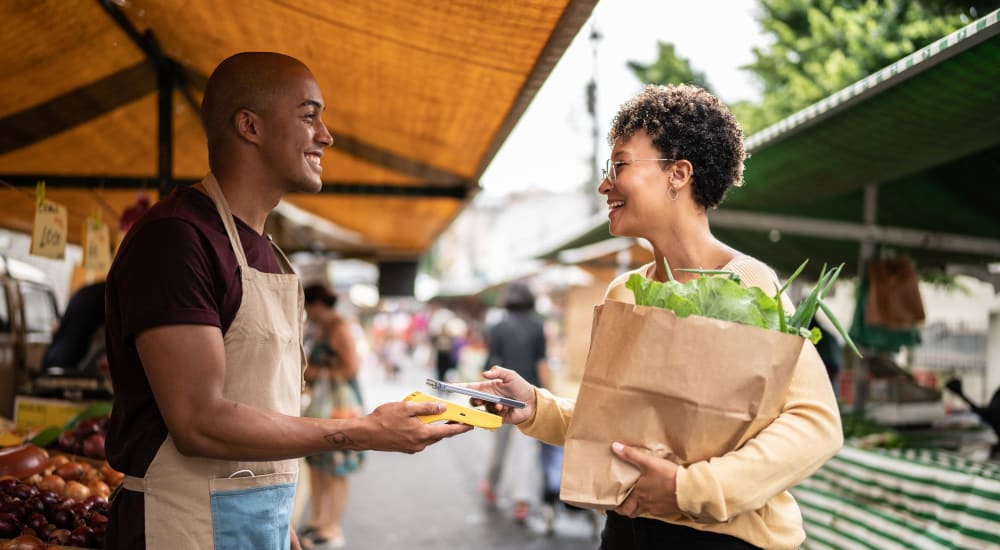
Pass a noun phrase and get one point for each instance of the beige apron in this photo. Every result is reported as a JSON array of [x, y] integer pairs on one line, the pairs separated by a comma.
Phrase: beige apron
[[201, 503]]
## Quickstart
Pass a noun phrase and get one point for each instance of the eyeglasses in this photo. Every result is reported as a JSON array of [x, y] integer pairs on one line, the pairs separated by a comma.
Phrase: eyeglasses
[[609, 173]]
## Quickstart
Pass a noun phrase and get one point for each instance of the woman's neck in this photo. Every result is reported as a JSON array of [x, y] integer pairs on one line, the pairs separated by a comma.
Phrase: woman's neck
[[688, 246]]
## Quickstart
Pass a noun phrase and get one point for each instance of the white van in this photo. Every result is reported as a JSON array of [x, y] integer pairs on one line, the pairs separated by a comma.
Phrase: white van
[[28, 316]]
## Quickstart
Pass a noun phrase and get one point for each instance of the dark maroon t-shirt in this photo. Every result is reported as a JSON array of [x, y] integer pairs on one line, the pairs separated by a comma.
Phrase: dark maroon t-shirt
[[176, 266]]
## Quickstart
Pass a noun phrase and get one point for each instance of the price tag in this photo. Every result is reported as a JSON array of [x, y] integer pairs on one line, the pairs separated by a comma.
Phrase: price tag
[[48, 235], [96, 246]]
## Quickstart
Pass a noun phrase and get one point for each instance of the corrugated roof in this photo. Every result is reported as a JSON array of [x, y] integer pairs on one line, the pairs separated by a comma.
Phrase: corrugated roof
[[922, 136]]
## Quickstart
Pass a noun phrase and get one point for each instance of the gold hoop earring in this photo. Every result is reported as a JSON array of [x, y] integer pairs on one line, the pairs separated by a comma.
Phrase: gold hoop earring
[[673, 193]]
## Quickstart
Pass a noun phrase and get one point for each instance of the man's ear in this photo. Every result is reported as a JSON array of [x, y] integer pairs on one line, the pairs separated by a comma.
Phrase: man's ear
[[680, 173], [247, 125]]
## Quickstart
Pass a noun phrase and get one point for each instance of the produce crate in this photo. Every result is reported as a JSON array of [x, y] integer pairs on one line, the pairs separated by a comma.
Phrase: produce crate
[[40, 412]]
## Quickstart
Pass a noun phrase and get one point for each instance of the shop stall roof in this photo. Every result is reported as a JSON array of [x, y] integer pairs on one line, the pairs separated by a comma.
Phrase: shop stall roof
[[420, 95], [906, 159]]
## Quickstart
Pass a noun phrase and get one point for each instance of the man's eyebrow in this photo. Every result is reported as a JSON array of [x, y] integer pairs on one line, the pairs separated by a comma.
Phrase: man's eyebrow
[[311, 103]]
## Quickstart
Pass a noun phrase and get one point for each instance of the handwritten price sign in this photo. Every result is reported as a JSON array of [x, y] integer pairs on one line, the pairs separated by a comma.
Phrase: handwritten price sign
[[48, 235], [97, 246]]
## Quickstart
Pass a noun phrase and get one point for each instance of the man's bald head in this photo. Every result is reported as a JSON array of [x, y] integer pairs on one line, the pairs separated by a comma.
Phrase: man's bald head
[[248, 80]]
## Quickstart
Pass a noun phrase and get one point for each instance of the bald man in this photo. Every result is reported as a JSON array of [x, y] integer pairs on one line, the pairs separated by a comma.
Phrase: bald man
[[204, 334]]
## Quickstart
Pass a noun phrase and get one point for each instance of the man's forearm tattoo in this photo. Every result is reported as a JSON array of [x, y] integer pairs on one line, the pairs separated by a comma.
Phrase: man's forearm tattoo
[[338, 440]]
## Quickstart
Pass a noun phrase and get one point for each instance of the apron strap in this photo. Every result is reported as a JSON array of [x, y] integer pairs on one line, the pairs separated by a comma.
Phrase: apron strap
[[286, 264], [215, 193], [133, 483]]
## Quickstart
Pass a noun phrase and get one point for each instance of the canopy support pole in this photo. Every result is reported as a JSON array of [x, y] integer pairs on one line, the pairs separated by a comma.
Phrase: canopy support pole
[[165, 79], [866, 252]]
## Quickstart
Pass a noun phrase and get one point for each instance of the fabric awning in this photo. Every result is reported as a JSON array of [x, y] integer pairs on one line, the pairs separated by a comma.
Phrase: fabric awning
[[419, 98]]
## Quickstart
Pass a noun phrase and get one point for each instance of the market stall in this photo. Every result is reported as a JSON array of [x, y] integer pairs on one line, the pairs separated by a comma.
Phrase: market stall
[[54, 480], [872, 498]]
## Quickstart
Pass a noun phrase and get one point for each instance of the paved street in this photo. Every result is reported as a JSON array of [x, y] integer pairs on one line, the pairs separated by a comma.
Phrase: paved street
[[430, 500]]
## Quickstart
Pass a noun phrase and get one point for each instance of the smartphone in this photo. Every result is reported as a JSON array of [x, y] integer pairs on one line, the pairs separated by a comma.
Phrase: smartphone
[[507, 402]]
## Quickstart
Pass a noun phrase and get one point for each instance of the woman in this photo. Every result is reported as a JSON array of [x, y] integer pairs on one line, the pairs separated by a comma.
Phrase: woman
[[676, 151], [331, 374]]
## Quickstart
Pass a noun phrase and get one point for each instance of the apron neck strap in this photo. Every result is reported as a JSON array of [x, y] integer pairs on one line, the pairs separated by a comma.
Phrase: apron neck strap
[[215, 193], [285, 263]]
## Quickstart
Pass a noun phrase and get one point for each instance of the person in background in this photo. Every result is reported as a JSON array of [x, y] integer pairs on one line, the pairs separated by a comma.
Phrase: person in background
[[79, 341], [518, 343], [204, 333], [335, 393], [676, 152]]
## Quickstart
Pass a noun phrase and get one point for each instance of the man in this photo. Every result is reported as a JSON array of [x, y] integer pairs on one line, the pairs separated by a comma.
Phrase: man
[[204, 334]]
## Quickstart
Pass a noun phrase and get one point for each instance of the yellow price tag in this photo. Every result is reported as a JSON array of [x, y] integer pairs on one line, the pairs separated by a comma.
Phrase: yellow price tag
[[48, 234], [96, 246]]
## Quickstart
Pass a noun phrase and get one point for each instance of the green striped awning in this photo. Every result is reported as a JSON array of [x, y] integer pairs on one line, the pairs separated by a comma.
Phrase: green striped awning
[[923, 134], [918, 142], [887, 499]]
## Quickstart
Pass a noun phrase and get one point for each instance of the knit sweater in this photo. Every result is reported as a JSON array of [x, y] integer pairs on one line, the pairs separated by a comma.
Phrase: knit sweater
[[743, 493]]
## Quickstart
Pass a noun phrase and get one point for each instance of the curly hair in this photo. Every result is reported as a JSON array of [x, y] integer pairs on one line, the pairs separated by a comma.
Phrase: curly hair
[[686, 122]]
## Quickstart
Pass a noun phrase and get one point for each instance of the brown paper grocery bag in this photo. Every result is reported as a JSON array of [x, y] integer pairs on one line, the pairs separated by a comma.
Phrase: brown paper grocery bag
[[685, 389]]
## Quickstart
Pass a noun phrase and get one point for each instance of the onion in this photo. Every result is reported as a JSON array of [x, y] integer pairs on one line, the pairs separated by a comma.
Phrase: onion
[[59, 460], [25, 542], [82, 536], [8, 528], [52, 483], [71, 471], [98, 487], [93, 446], [77, 490], [90, 473], [59, 536]]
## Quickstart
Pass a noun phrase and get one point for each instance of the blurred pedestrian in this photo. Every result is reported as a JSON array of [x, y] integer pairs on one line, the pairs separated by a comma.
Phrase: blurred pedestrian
[[332, 378], [517, 342]]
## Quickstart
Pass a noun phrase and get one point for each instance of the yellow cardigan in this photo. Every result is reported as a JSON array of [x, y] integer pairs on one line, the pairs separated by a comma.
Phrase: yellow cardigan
[[745, 492]]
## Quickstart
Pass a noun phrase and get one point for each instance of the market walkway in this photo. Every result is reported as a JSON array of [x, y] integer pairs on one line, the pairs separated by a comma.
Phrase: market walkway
[[430, 500]]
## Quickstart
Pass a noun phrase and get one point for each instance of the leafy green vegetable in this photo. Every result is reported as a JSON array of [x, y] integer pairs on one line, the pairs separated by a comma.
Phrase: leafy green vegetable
[[97, 409], [724, 299], [46, 437]]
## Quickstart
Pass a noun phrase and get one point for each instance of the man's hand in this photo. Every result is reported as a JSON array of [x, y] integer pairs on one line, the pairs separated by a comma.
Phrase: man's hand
[[655, 493], [395, 427], [506, 383], [294, 539]]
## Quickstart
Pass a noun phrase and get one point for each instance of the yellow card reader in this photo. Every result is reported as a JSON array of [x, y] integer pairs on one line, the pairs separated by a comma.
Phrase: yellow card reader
[[456, 413]]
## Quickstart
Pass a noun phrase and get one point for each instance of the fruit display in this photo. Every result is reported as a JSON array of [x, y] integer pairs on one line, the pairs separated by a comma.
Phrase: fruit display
[[58, 497], [86, 439]]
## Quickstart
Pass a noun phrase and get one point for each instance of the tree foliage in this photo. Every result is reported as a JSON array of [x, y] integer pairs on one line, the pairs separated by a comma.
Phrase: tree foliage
[[669, 68], [820, 46]]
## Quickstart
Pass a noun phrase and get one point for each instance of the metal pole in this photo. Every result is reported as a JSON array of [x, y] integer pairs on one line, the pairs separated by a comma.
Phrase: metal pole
[[866, 252], [595, 38], [165, 79]]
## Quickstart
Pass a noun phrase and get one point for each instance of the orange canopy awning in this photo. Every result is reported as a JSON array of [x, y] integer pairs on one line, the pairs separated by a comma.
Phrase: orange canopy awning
[[420, 95]]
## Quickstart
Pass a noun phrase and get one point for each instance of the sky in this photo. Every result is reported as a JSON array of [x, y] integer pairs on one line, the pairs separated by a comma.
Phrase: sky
[[550, 147]]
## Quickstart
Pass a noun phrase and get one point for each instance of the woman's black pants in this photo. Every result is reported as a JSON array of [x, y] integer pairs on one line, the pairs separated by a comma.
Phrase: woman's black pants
[[623, 533]]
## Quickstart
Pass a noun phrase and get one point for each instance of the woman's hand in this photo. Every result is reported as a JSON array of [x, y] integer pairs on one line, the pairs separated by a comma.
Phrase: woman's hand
[[506, 383], [655, 493]]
